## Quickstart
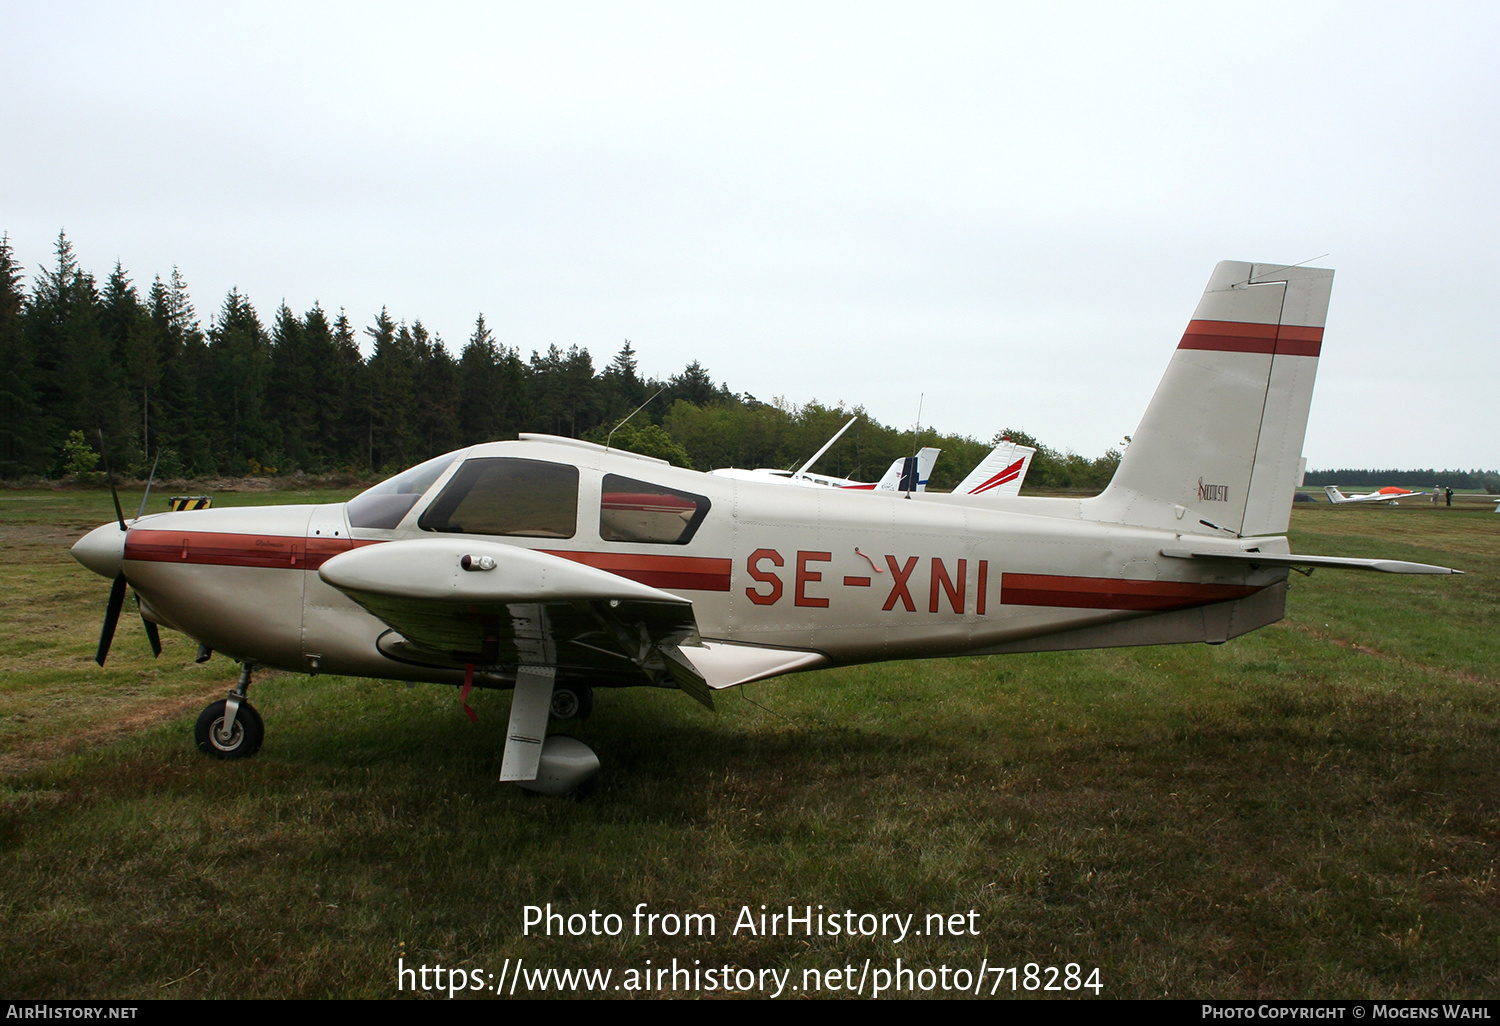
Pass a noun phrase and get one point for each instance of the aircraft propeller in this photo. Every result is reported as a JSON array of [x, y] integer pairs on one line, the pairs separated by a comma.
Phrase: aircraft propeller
[[117, 588]]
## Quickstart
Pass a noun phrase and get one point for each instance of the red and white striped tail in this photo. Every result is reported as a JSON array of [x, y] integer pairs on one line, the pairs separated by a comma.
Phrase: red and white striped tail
[[1001, 473], [1220, 446]]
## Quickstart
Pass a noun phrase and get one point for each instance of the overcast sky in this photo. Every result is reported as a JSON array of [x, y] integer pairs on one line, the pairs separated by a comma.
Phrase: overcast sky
[[1007, 211]]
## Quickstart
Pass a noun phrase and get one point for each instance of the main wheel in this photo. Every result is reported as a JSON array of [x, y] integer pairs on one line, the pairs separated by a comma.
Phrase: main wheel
[[572, 702], [244, 742]]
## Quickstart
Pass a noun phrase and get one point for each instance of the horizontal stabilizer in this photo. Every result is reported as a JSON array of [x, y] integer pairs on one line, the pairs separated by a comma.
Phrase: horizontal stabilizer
[[1387, 566]]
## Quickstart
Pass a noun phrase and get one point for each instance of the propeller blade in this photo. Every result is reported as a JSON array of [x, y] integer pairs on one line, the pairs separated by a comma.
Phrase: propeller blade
[[119, 514], [154, 636], [111, 617], [150, 479]]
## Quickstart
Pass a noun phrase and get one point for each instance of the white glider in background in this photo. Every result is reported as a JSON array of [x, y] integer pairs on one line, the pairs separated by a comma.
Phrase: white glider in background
[[1388, 495]]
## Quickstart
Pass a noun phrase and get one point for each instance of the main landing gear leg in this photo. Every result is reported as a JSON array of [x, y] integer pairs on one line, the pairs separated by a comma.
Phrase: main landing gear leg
[[231, 728], [548, 765]]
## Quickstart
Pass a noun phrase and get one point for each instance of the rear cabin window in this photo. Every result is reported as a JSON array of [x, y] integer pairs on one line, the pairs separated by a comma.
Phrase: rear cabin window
[[637, 511], [501, 495]]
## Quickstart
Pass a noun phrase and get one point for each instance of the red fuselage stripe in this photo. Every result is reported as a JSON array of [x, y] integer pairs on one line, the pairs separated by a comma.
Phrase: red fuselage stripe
[[1242, 337], [1112, 593], [282, 552], [279, 552], [689, 573]]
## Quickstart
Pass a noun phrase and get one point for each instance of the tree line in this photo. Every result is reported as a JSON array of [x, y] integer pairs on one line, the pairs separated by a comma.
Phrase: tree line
[[242, 396]]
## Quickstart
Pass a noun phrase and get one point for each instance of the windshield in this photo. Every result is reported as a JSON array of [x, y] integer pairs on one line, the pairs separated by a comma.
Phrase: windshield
[[384, 505]]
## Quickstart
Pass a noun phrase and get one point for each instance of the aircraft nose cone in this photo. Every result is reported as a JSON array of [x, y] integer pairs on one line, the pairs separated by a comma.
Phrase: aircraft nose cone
[[102, 550]]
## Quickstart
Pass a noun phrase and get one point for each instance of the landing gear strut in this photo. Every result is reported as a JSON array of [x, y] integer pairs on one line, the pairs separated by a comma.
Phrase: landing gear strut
[[231, 728], [553, 765]]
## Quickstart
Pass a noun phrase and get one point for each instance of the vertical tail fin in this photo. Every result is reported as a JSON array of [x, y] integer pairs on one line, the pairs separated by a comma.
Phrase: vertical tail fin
[[1220, 446], [909, 474], [1002, 472]]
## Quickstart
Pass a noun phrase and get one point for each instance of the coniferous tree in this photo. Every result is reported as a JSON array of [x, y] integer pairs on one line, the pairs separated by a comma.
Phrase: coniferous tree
[[323, 391], [78, 384], [492, 388], [349, 393], [240, 357], [566, 398], [392, 394], [135, 351], [21, 448], [291, 382], [184, 435], [436, 377], [544, 386], [623, 389], [694, 385]]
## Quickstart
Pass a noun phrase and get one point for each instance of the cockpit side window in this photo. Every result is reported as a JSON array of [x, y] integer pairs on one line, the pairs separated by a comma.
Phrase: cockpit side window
[[507, 496], [384, 505], [638, 511]]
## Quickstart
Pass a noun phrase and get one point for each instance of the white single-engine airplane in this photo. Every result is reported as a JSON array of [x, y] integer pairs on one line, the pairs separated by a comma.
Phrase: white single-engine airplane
[[554, 566], [1390, 494]]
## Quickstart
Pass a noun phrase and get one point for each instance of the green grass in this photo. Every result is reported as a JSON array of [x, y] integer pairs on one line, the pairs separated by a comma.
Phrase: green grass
[[1309, 811]]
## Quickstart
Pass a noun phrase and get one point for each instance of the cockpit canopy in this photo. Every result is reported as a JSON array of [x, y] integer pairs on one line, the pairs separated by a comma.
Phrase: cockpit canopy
[[385, 504], [529, 498]]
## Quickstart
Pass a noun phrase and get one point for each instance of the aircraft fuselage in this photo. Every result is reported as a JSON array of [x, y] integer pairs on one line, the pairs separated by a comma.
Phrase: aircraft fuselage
[[849, 577]]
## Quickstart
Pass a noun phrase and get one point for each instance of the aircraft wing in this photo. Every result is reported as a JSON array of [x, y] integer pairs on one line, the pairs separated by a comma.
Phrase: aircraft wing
[[457, 603]]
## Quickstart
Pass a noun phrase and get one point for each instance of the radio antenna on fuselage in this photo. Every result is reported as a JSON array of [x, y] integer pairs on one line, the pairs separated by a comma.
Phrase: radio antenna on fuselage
[[633, 412]]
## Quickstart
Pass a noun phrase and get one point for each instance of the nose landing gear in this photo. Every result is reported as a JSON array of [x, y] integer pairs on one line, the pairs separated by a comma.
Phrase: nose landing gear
[[231, 728]]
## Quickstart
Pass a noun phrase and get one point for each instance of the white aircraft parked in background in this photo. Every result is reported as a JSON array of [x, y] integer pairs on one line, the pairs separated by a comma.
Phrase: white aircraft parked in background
[[1388, 494], [903, 475], [554, 566]]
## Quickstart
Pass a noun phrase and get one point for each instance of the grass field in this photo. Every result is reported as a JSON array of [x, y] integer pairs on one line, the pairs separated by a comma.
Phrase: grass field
[[1309, 811]]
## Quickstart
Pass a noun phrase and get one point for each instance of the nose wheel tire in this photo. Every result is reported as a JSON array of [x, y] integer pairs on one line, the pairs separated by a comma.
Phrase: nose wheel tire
[[244, 740]]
